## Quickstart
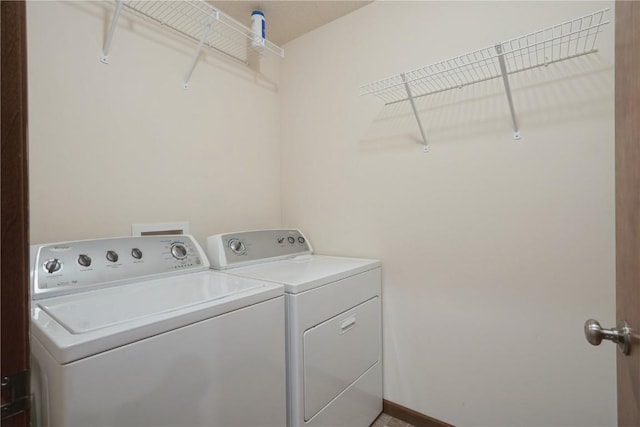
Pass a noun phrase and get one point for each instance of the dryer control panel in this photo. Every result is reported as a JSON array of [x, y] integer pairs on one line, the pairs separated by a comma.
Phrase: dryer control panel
[[250, 247], [69, 267]]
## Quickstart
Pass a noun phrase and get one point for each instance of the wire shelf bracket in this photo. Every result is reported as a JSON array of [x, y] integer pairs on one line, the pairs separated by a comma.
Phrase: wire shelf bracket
[[104, 58], [415, 112], [567, 40], [198, 21], [507, 88], [196, 54]]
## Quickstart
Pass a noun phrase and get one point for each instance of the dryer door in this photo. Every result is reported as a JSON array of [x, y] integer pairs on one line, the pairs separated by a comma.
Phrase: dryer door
[[337, 352]]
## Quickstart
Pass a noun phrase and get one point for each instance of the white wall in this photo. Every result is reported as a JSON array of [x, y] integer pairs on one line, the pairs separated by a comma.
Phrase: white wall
[[123, 143], [494, 252]]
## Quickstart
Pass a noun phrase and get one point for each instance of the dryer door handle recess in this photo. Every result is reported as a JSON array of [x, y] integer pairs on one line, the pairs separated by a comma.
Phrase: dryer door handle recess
[[347, 324]]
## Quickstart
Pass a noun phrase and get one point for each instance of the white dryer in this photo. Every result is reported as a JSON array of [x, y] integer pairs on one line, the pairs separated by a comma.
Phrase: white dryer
[[138, 331], [333, 317]]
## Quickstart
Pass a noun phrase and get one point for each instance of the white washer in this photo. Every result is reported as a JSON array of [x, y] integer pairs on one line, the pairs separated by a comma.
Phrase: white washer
[[137, 331], [333, 312]]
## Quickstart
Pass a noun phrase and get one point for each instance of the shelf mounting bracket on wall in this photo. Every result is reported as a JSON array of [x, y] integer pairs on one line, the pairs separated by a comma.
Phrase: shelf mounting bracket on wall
[[415, 111], [205, 33], [507, 88], [104, 58]]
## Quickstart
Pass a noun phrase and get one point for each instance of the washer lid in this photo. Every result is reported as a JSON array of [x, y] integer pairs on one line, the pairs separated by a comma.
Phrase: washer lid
[[75, 326], [307, 271], [99, 310]]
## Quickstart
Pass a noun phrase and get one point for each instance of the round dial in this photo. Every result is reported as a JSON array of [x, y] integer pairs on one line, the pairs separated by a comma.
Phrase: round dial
[[301, 239], [52, 265], [236, 246], [84, 260], [178, 251], [291, 240], [112, 256], [136, 253]]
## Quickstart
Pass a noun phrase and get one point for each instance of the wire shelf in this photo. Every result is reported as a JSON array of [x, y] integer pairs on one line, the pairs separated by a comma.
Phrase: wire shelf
[[198, 21], [191, 17], [553, 44], [560, 42]]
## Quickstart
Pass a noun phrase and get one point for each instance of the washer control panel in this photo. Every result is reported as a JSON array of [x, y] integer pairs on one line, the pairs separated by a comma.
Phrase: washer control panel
[[247, 247], [68, 267]]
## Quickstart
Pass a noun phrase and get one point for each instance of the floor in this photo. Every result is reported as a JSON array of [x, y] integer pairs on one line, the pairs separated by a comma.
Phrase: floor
[[385, 420]]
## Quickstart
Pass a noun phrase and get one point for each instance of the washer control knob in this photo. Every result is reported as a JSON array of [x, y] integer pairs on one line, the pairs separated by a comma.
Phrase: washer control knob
[[301, 240], [136, 253], [291, 239], [237, 246], [178, 251], [112, 256], [53, 265], [84, 260]]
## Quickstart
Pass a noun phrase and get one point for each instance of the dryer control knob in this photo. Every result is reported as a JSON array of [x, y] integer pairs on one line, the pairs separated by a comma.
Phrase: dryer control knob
[[178, 251], [112, 256], [84, 260], [52, 265], [237, 246]]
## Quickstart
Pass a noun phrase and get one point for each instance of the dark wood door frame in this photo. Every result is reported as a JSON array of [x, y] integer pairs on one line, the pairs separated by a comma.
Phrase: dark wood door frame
[[14, 200], [628, 204]]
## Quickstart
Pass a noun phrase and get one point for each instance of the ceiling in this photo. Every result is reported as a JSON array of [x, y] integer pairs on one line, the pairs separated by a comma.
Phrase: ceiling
[[287, 20]]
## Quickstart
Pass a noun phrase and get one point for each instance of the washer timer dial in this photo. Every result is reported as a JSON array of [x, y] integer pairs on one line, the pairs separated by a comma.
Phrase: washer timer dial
[[179, 251]]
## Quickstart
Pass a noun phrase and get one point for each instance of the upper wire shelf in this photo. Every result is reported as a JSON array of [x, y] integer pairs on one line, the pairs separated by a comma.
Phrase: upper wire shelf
[[557, 43], [199, 21], [189, 18]]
